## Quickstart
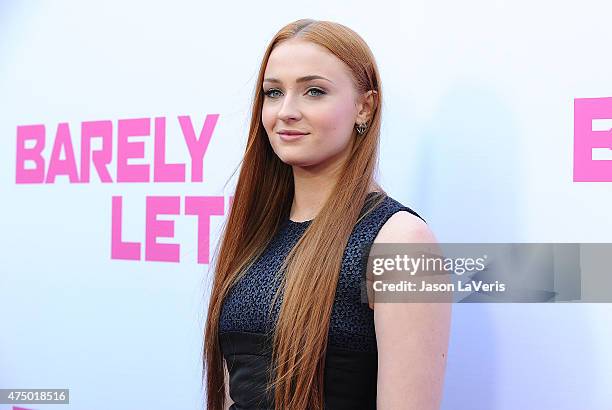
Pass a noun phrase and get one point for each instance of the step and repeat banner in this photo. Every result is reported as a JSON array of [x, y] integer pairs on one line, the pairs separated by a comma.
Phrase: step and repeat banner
[[122, 126]]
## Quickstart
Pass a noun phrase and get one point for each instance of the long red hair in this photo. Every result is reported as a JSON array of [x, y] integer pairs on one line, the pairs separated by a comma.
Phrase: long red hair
[[262, 201]]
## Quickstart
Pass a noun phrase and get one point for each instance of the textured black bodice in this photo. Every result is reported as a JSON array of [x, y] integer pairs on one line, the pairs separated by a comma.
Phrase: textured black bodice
[[351, 359]]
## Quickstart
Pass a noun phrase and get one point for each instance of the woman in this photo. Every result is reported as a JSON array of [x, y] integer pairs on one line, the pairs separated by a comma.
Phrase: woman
[[286, 327]]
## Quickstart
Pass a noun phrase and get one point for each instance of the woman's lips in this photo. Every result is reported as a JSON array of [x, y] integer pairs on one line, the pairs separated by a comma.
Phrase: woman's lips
[[291, 137]]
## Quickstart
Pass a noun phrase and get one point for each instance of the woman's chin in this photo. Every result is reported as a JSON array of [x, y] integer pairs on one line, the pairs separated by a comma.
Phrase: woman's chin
[[295, 160]]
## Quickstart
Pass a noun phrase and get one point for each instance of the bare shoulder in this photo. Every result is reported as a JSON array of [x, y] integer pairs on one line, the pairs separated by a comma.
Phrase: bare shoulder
[[404, 227], [412, 338]]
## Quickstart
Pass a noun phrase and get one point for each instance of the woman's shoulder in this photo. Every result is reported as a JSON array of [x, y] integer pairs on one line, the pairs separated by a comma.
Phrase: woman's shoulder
[[403, 225]]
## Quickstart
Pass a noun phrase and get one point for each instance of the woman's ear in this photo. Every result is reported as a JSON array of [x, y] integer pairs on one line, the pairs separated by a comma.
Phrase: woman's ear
[[366, 106]]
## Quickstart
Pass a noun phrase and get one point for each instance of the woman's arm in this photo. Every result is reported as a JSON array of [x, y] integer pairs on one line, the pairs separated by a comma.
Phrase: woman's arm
[[412, 338], [228, 399]]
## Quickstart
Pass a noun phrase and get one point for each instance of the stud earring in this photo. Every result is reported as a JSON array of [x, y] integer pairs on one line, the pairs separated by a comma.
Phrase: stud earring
[[361, 128]]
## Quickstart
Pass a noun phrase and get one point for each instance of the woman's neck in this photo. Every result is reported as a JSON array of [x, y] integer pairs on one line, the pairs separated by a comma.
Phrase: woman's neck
[[311, 192]]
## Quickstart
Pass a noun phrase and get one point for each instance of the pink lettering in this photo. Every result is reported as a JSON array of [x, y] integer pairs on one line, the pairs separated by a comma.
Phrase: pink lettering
[[203, 208], [100, 158], [163, 252], [127, 149], [164, 172], [24, 175], [134, 149], [120, 249], [592, 155], [59, 166], [197, 147]]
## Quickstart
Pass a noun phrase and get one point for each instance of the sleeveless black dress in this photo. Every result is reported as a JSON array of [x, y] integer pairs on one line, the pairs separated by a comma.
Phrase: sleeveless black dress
[[245, 330]]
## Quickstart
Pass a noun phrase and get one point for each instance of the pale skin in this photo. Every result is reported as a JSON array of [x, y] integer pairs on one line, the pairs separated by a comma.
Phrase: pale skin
[[412, 338]]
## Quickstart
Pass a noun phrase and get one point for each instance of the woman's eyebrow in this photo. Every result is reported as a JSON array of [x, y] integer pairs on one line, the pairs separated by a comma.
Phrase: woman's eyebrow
[[300, 80]]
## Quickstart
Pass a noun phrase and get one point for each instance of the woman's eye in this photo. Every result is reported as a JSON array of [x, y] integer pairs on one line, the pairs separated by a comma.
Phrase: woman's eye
[[267, 93], [320, 92]]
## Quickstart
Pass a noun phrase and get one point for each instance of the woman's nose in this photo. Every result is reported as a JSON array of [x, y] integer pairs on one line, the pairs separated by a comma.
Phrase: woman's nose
[[289, 108]]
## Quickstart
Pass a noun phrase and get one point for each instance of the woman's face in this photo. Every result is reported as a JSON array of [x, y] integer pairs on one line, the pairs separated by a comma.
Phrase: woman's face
[[325, 109]]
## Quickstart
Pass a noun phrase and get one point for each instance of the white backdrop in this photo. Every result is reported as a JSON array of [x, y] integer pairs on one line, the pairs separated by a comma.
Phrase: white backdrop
[[477, 137]]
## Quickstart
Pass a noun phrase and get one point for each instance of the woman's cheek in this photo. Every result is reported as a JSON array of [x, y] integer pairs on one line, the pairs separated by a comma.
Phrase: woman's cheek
[[267, 120], [329, 119], [338, 125]]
